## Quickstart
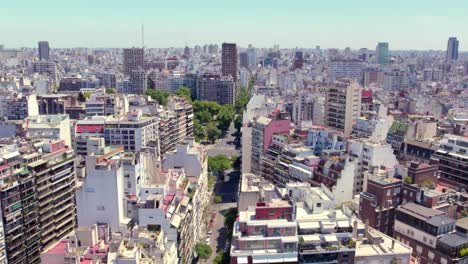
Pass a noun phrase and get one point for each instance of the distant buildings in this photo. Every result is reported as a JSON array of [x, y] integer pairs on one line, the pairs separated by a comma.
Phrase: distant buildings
[[452, 49], [138, 81], [298, 60], [382, 53], [133, 59], [43, 50], [346, 69], [229, 60], [220, 89], [343, 105]]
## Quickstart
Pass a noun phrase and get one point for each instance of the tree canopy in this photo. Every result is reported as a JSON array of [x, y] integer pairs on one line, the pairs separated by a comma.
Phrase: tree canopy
[[203, 250], [242, 100], [159, 96], [225, 117], [184, 92], [212, 132], [219, 163]]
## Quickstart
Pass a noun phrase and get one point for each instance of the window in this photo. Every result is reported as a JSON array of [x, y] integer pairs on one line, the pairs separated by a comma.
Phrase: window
[[430, 254], [419, 249], [443, 260], [319, 205]]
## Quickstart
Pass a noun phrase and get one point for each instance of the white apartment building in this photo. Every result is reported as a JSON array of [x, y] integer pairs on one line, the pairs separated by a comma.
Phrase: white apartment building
[[372, 157], [52, 127]]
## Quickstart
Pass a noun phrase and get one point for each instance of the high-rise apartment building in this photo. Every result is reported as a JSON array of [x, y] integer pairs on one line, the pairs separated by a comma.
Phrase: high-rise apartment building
[[44, 50], [382, 53], [138, 81], [229, 60], [346, 69], [452, 49], [133, 59], [343, 105], [220, 89], [37, 198]]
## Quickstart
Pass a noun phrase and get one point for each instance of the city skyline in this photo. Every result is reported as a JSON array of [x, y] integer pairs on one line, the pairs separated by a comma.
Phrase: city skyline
[[415, 25]]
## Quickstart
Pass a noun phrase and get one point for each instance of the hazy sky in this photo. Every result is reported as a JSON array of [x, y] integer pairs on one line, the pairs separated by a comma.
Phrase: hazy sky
[[405, 24]]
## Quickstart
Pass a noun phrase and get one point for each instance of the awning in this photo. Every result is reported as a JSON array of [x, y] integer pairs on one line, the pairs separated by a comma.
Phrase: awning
[[242, 260], [309, 225], [331, 238], [311, 238], [259, 259], [290, 259], [343, 224]]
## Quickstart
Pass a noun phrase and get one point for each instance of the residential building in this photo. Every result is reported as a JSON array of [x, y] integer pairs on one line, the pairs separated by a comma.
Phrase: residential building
[[229, 60], [133, 59], [322, 138], [265, 233], [71, 84], [343, 105], [37, 186], [376, 247], [220, 89], [346, 68], [263, 130], [100, 197], [453, 161], [51, 127], [138, 81], [378, 203], [133, 131], [431, 234]]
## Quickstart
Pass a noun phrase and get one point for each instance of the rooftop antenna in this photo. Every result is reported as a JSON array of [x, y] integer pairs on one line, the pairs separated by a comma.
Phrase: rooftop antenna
[[142, 36]]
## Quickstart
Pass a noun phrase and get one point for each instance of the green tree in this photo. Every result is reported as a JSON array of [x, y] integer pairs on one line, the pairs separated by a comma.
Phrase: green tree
[[204, 116], [211, 107], [225, 117], [198, 131], [427, 184], [242, 100], [159, 96], [81, 97], [203, 250], [212, 132], [238, 122], [110, 91], [184, 92], [217, 199], [408, 180], [219, 163]]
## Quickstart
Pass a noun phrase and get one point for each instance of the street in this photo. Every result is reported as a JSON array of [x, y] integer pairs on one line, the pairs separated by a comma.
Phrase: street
[[225, 145]]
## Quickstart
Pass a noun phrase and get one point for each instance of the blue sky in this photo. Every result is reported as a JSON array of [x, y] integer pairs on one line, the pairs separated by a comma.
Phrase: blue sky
[[405, 24]]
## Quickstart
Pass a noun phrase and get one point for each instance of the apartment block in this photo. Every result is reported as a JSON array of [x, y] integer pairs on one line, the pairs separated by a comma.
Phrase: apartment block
[[343, 105]]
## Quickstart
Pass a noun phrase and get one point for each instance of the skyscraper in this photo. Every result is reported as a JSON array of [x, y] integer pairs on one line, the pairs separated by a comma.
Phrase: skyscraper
[[298, 60], [244, 59], [381, 53], [452, 49], [133, 60], [44, 50], [252, 55], [229, 60]]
